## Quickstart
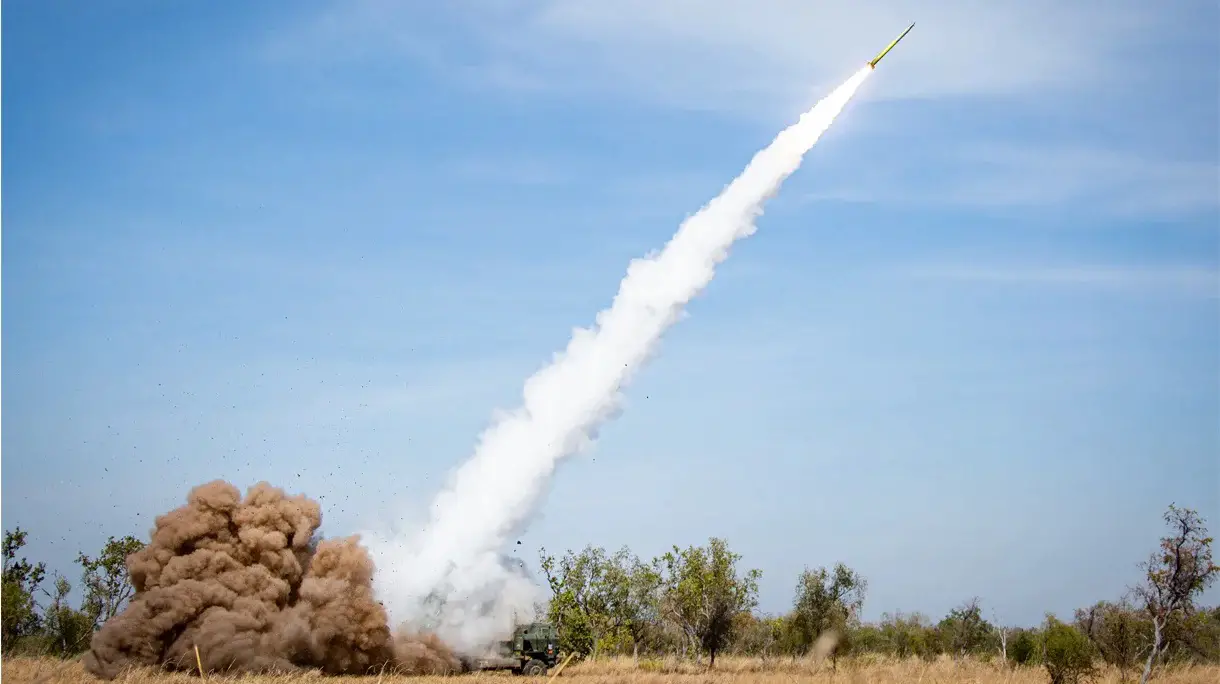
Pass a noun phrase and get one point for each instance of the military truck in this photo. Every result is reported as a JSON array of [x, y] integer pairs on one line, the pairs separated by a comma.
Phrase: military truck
[[532, 651]]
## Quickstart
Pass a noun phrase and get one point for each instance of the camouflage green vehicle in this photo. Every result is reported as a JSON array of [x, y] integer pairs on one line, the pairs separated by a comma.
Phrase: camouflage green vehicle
[[532, 651]]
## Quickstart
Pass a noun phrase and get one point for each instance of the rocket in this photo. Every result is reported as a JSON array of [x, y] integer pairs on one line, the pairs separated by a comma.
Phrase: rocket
[[889, 47]]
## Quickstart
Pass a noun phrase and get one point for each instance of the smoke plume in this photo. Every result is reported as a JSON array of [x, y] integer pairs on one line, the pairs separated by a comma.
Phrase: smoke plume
[[247, 583], [451, 577]]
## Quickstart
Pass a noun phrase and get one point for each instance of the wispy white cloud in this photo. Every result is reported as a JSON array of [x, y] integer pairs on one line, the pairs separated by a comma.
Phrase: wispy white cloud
[[1119, 182], [1108, 182], [1190, 280], [777, 56], [722, 54]]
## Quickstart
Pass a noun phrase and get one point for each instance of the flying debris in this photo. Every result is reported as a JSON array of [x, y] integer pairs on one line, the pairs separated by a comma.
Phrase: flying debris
[[889, 47]]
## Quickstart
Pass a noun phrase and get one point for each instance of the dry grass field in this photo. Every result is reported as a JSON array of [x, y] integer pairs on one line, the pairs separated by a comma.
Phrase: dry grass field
[[728, 671]]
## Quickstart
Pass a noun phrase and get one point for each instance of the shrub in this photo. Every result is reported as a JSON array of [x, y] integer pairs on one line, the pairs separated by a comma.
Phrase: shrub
[[1069, 655], [1024, 649]]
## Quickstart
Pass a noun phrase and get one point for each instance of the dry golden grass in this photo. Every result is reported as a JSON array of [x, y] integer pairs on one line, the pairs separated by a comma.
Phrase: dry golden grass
[[728, 671]]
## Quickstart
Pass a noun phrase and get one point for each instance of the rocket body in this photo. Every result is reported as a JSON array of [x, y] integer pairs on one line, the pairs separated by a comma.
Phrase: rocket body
[[889, 47]]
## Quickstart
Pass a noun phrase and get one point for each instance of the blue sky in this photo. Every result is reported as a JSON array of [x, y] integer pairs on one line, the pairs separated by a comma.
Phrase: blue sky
[[972, 350]]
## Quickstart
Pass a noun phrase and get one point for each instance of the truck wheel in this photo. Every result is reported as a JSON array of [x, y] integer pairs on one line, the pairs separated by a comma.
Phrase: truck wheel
[[534, 667]]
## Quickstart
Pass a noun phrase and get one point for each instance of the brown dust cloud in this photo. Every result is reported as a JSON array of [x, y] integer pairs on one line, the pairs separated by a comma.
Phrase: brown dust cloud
[[248, 582]]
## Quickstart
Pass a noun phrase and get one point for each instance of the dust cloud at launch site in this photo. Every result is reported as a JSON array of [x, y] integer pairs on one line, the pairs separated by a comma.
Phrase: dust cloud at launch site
[[247, 582]]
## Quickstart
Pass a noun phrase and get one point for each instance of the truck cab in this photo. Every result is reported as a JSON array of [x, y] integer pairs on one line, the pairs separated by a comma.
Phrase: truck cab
[[533, 649]]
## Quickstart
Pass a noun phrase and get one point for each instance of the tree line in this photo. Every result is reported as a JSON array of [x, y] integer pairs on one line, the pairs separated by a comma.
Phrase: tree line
[[700, 602], [39, 619]]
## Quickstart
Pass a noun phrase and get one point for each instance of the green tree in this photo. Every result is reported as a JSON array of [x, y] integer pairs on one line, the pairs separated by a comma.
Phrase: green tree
[[631, 597], [785, 635], [577, 607], [826, 601], [1069, 655], [21, 581], [702, 594], [907, 635], [1026, 648], [1175, 575], [1195, 638], [964, 630], [868, 638], [1117, 631], [106, 582], [67, 631], [755, 635]]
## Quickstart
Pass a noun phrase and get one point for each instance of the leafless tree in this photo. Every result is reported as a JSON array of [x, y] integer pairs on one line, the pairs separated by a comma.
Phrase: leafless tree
[[1002, 632], [1178, 571]]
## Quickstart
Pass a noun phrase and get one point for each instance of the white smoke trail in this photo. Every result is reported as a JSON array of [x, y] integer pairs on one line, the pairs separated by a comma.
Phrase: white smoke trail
[[451, 578]]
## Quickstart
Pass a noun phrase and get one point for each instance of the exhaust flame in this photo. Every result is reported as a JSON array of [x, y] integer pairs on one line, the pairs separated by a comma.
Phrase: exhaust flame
[[451, 578]]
